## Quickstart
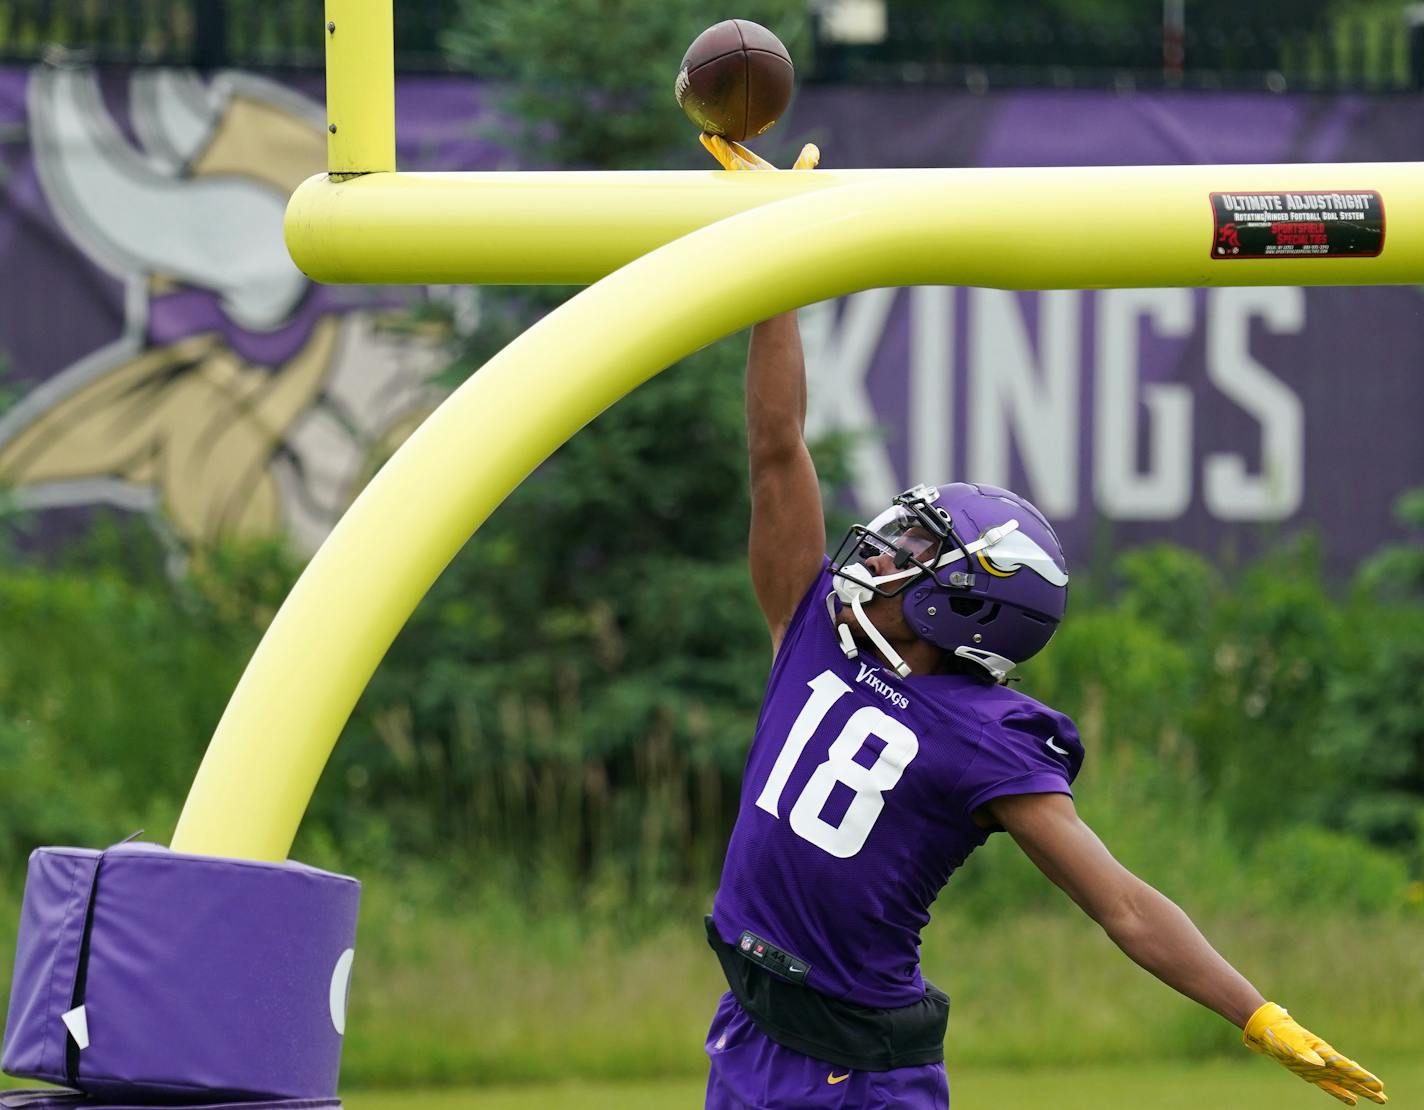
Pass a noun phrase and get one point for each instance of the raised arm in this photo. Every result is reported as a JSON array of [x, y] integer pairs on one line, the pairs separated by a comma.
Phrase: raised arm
[[1160, 937], [788, 529]]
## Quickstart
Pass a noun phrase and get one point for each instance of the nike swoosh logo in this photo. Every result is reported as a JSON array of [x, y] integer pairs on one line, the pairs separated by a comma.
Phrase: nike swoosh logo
[[832, 1077], [1055, 747]]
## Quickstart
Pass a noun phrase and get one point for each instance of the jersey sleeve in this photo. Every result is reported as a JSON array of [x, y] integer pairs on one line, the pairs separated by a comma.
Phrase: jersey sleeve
[[1027, 751]]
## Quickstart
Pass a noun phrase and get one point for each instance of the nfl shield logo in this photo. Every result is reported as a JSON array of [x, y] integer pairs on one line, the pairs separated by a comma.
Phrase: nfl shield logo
[[746, 943]]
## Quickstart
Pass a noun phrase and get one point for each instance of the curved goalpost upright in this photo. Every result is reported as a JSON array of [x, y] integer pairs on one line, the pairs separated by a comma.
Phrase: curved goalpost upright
[[676, 261]]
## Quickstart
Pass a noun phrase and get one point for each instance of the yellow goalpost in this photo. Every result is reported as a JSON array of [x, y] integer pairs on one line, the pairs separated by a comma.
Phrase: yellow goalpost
[[676, 261]]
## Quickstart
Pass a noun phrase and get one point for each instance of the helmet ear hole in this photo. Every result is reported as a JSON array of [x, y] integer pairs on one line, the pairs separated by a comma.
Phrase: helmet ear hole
[[966, 606]]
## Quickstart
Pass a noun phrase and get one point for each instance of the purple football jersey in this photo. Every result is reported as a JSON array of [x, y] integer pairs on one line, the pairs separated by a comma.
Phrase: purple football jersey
[[856, 804]]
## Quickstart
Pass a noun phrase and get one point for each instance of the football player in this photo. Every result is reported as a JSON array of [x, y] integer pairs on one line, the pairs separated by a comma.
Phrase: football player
[[888, 749]]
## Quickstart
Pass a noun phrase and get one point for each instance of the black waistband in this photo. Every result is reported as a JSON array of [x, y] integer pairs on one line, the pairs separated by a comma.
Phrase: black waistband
[[862, 1038]]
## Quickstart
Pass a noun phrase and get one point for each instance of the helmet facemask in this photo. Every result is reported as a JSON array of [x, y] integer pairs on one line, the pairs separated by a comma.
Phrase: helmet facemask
[[921, 539]]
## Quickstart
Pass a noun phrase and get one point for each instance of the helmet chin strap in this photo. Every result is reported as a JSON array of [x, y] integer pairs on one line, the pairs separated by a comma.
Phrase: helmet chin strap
[[853, 587], [855, 595], [881, 643]]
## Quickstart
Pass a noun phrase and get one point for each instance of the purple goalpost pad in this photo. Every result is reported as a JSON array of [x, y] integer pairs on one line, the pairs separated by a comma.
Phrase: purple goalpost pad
[[147, 976]]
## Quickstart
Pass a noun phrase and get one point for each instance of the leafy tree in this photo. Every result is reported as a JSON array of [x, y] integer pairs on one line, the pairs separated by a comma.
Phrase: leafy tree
[[1375, 708], [1396, 572], [591, 80]]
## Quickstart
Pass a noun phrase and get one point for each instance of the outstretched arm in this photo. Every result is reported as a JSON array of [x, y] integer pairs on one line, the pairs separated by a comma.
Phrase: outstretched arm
[[788, 530], [1157, 935], [1145, 924]]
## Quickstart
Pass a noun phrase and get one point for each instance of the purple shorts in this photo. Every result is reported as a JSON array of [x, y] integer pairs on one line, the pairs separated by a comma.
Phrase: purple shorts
[[752, 1072]]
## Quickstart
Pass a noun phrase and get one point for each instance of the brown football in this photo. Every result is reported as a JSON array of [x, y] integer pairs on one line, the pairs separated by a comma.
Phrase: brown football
[[735, 80]]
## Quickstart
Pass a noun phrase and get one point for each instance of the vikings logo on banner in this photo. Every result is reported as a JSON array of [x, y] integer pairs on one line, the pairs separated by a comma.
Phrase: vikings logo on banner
[[238, 399]]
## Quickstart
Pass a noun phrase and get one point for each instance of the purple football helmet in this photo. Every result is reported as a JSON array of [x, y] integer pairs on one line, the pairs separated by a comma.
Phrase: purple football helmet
[[980, 570]]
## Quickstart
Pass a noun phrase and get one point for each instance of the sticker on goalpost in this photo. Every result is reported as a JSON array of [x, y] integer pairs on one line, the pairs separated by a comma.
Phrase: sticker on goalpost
[[1297, 225]]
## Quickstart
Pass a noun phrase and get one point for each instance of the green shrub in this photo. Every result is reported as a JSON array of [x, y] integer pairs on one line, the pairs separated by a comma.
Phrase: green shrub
[[1320, 871], [52, 800], [112, 679], [579, 725]]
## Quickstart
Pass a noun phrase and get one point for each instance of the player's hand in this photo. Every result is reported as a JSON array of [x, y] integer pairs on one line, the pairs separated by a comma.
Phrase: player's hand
[[1273, 1032], [734, 156]]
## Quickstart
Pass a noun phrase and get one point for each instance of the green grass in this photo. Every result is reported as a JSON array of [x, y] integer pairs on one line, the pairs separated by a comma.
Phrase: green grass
[[488, 994], [484, 993], [1054, 988], [1244, 1083]]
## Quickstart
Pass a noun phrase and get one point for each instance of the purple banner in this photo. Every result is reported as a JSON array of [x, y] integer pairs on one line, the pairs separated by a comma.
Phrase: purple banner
[[1215, 418], [171, 361]]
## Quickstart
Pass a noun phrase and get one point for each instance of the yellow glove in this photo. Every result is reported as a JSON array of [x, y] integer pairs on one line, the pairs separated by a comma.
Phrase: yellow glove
[[1273, 1032], [734, 156]]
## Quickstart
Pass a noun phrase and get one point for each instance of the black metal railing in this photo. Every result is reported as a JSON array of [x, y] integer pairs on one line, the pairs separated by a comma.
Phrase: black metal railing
[[923, 43], [261, 34], [1366, 50]]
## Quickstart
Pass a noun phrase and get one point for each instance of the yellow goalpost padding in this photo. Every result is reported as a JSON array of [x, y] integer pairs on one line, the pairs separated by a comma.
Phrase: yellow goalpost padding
[[1031, 228]]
